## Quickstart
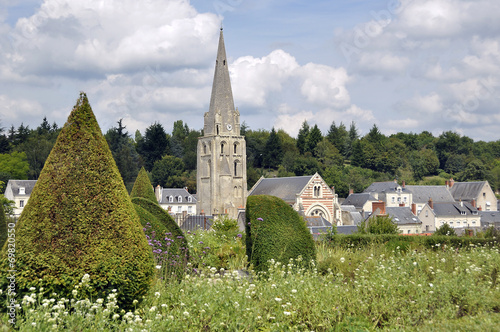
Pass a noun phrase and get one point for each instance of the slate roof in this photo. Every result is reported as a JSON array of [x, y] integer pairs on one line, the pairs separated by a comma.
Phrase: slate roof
[[16, 184], [402, 215], [490, 218], [466, 191], [454, 209], [317, 221], [349, 229], [176, 192], [285, 188], [421, 194], [383, 187], [358, 200]]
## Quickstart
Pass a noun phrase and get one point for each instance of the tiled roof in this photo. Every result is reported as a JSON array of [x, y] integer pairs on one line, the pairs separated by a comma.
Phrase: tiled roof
[[358, 200], [489, 218], [466, 191], [317, 221], [28, 186], [176, 192], [421, 194], [383, 187], [402, 215], [285, 188], [347, 229], [454, 209]]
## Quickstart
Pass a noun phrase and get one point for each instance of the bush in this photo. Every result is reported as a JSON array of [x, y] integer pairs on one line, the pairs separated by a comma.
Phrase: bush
[[378, 225], [80, 221], [143, 188], [275, 231], [3, 227], [445, 230]]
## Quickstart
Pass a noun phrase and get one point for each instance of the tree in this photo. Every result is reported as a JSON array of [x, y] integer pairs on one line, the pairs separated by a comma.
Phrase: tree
[[273, 152], [313, 139], [328, 154], [352, 138], [80, 221], [143, 188], [302, 137], [378, 225], [16, 164], [338, 137], [475, 170], [445, 230], [154, 145], [167, 172]]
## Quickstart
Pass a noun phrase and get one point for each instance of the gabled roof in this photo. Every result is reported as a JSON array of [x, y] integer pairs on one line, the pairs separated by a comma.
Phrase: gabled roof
[[348, 229], [489, 218], [28, 186], [467, 191], [317, 221], [383, 187], [285, 188], [402, 215], [176, 192], [453, 209], [421, 194], [358, 200]]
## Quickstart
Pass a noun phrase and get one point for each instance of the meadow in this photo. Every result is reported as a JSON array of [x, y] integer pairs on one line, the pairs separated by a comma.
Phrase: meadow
[[377, 287]]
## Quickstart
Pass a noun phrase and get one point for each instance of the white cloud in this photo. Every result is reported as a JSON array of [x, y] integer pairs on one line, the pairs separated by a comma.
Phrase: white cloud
[[383, 63], [16, 110], [325, 85]]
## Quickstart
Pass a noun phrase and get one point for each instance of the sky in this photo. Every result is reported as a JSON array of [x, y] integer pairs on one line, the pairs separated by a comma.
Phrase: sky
[[405, 66]]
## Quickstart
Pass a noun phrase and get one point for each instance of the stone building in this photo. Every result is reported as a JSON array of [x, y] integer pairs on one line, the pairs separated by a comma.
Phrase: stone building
[[221, 154]]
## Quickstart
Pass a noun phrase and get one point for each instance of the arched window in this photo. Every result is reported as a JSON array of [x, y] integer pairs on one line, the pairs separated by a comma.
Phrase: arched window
[[235, 168], [235, 148], [190, 199], [204, 148], [171, 199], [317, 191], [222, 147]]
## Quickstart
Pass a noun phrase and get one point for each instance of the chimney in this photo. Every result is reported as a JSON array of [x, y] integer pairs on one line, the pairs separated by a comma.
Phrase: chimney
[[380, 205], [451, 182], [431, 203], [473, 203], [480, 208], [401, 204], [414, 209], [351, 191], [202, 212], [447, 184], [403, 184], [158, 193]]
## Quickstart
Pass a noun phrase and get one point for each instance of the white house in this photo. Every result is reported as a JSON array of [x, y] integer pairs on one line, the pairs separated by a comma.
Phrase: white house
[[177, 201], [19, 191]]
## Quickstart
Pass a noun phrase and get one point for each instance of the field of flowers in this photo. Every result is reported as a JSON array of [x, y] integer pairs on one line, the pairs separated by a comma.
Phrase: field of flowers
[[355, 289]]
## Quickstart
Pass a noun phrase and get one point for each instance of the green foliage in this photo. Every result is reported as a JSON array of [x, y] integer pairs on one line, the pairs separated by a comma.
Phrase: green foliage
[[79, 220], [165, 219], [143, 188], [154, 145], [302, 137], [16, 164], [273, 153], [378, 225], [226, 226], [445, 230], [275, 231], [492, 232], [3, 227], [167, 172]]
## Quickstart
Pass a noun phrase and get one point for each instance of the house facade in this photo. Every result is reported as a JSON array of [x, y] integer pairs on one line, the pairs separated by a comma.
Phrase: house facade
[[458, 215], [19, 191], [177, 201], [478, 193], [391, 193], [422, 194], [309, 195], [402, 216]]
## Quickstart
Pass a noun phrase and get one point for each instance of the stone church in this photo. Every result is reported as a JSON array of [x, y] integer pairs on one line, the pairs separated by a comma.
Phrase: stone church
[[221, 153]]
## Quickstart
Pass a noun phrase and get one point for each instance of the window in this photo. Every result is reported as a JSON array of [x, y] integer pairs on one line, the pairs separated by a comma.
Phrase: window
[[399, 199], [462, 213], [22, 191], [171, 199], [235, 168], [393, 199], [190, 209], [179, 199], [406, 199], [317, 191], [21, 203], [235, 148], [179, 209], [222, 148], [204, 148], [426, 213], [190, 199], [408, 231]]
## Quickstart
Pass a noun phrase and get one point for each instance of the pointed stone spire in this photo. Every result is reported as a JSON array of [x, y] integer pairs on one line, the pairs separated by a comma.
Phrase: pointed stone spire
[[221, 116]]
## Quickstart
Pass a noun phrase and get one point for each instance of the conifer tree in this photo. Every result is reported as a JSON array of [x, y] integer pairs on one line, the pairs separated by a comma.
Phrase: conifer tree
[[80, 220], [142, 187]]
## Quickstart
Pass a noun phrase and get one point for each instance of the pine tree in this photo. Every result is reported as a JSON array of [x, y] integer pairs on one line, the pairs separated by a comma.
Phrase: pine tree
[[302, 137], [273, 153], [313, 139]]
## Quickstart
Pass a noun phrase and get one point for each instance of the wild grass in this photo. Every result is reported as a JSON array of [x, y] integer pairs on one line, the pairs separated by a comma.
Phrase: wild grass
[[379, 287]]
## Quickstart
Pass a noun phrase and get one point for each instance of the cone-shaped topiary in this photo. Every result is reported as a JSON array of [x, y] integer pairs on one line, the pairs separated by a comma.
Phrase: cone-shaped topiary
[[177, 245], [275, 231], [154, 230], [80, 220], [142, 187]]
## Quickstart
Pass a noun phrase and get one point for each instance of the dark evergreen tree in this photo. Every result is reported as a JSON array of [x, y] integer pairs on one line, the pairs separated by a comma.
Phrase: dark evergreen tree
[[167, 172], [302, 137], [315, 136], [273, 152], [352, 137], [338, 137], [153, 146]]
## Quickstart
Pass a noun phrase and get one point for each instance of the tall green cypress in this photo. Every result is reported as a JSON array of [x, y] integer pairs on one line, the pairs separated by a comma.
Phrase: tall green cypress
[[80, 220], [142, 187]]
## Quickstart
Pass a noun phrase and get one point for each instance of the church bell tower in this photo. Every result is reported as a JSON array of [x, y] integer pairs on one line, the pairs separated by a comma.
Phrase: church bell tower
[[221, 178]]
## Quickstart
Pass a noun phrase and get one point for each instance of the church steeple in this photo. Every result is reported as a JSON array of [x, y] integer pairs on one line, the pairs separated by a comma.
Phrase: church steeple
[[221, 117]]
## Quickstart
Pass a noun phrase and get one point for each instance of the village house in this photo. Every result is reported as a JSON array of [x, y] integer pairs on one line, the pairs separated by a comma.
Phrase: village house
[[391, 193], [458, 215], [361, 201], [19, 191], [422, 194], [177, 201], [309, 195], [479, 191], [402, 216]]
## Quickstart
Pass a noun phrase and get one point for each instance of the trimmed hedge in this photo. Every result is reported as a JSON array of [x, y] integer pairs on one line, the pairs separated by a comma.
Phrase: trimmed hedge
[[143, 188], [275, 231], [3, 227], [80, 220], [356, 241], [165, 223]]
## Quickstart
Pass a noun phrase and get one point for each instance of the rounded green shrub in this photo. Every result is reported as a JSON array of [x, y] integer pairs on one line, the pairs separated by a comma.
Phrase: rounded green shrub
[[3, 227], [80, 221], [275, 231], [142, 187]]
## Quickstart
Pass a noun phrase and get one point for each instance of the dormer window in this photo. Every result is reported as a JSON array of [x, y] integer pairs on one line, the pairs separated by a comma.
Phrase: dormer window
[[179, 199], [190, 199], [462, 213], [22, 191], [170, 199]]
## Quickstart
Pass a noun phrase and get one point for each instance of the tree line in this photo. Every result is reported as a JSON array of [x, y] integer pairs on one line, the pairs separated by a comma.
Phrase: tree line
[[345, 159]]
